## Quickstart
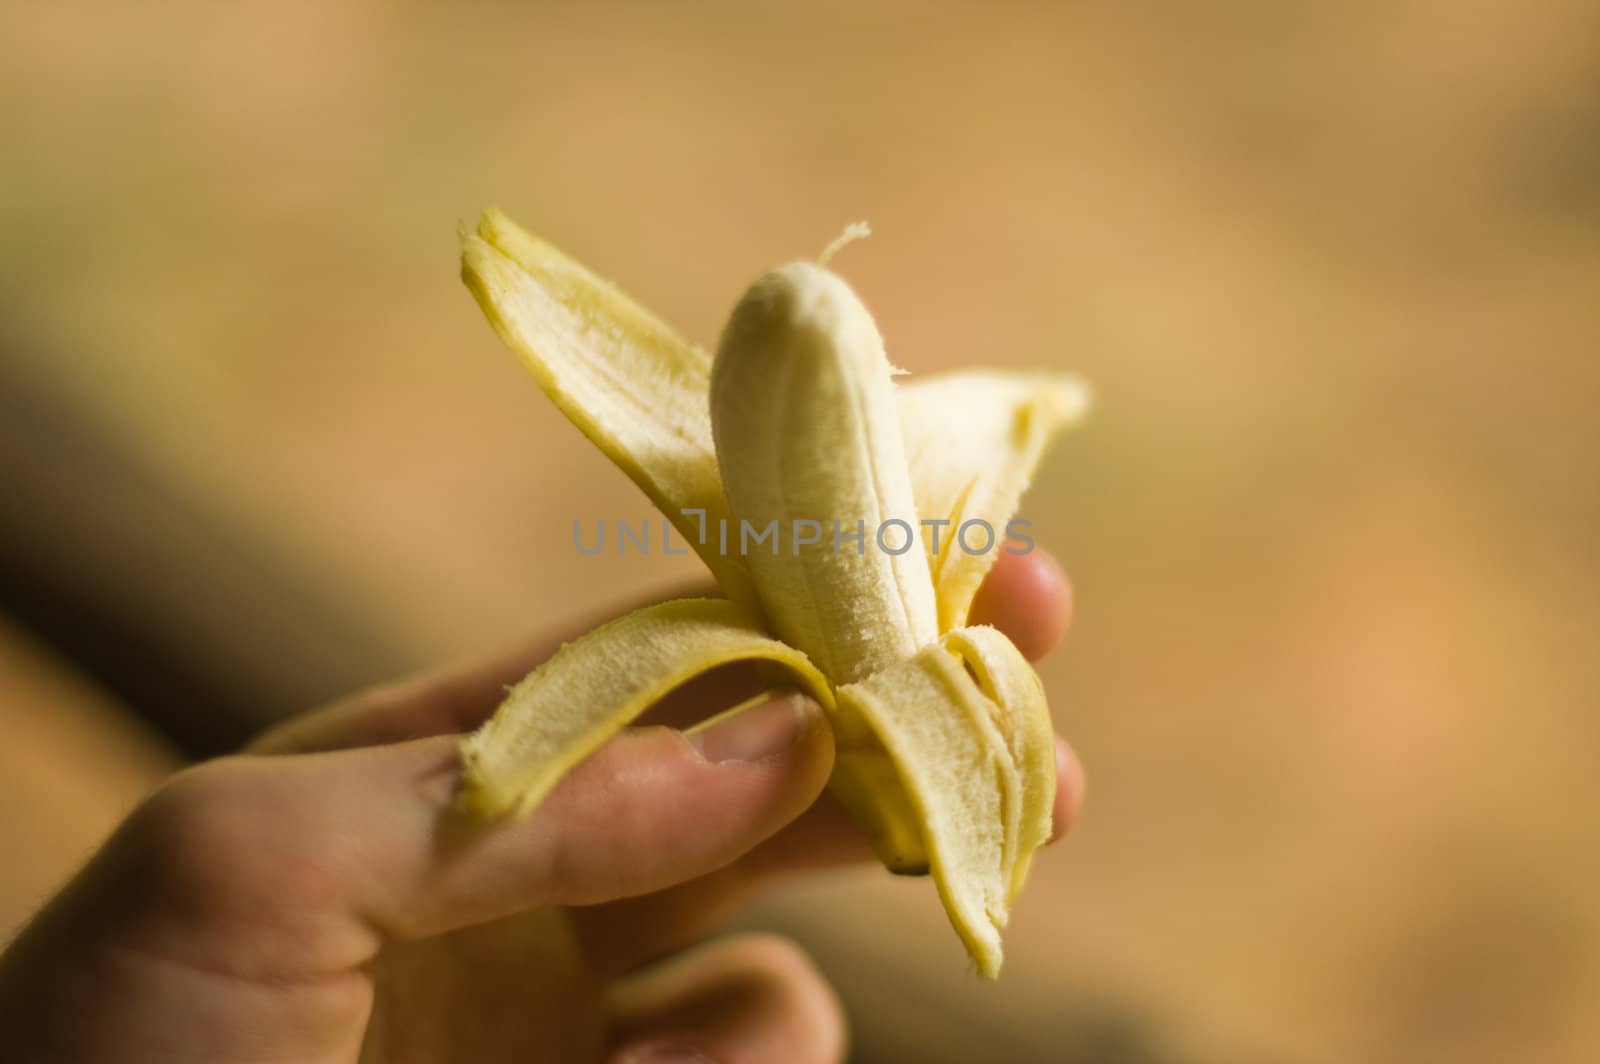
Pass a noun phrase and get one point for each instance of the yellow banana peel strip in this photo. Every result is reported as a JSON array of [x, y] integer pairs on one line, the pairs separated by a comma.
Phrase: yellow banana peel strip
[[1016, 700], [622, 376], [944, 743], [978, 473], [598, 684], [953, 742]]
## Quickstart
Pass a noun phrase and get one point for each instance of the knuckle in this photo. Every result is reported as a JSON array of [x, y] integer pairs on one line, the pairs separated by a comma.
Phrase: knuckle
[[224, 835], [190, 827]]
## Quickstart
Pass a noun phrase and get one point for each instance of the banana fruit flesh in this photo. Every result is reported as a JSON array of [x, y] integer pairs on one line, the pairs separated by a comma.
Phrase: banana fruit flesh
[[804, 419], [824, 480]]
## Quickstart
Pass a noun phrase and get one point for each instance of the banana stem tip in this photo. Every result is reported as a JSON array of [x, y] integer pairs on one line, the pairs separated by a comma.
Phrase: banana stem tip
[[852, 232]]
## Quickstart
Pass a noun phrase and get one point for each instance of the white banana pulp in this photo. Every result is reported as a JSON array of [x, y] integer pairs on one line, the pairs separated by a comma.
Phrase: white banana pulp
[[843, 481]]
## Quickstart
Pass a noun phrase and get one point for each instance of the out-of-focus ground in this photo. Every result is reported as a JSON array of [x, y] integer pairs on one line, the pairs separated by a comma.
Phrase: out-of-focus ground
[[1333, 269]]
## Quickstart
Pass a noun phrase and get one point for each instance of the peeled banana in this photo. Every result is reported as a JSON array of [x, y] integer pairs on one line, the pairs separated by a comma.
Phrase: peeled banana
[[841, 503]]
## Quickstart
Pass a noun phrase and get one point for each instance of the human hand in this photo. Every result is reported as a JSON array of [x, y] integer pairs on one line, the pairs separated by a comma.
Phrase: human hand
[[315, 900]]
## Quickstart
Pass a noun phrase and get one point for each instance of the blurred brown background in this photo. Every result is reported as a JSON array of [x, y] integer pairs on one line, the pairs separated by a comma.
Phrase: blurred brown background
[[1333, 268]]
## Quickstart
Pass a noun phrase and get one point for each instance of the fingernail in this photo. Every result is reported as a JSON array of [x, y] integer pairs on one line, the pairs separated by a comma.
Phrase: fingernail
[[757, 733]]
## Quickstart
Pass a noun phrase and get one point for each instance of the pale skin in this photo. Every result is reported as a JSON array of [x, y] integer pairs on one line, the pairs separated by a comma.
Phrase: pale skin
[[315, 900]]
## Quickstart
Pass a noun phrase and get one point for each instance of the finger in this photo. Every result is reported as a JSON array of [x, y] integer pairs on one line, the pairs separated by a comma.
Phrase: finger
[[620, 935], [752, 997], [314, 861], [1071, 784], [1027, 597]]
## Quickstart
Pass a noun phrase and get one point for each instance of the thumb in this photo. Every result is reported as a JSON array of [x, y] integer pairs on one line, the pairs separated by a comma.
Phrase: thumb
[[651, 808], [331, 854]]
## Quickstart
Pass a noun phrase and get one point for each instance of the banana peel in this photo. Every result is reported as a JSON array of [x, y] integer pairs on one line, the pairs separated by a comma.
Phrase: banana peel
[[856, 490]]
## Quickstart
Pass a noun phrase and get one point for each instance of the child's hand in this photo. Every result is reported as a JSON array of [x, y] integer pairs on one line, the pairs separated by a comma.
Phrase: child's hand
[[315, 899]]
